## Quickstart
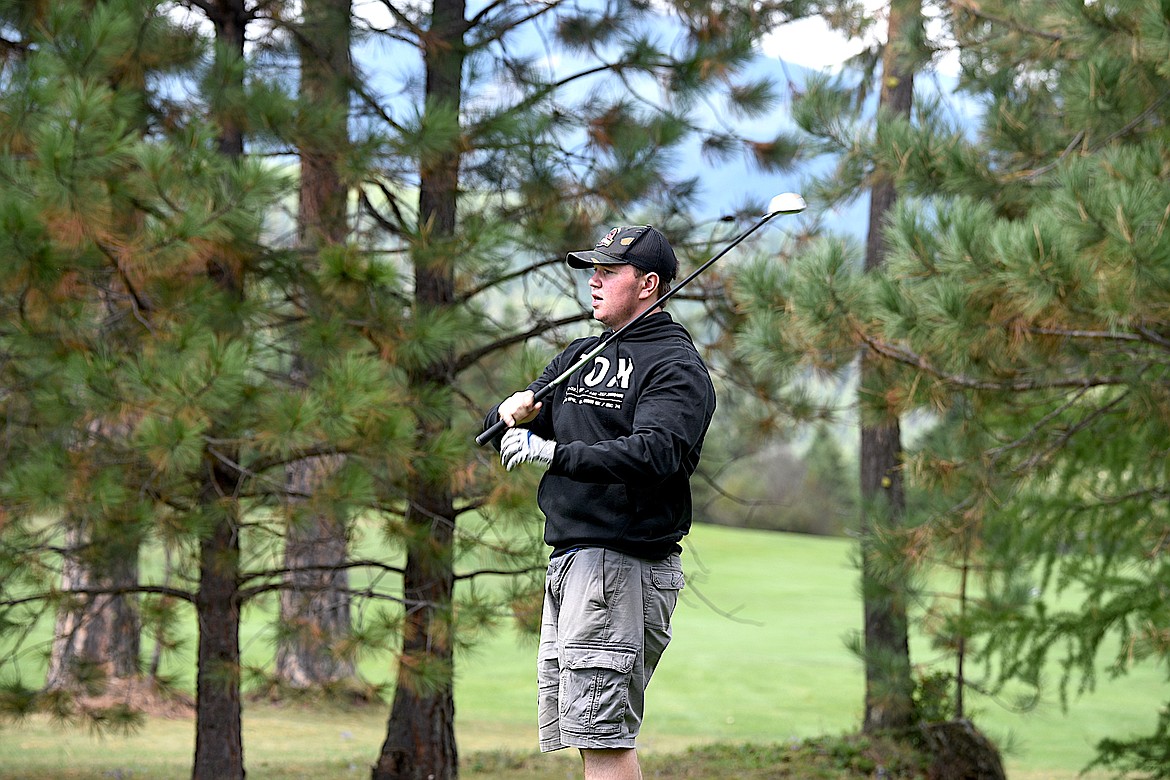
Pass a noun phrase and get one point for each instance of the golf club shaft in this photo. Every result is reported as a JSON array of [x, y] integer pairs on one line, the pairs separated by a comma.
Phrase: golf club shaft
[[500, 425]]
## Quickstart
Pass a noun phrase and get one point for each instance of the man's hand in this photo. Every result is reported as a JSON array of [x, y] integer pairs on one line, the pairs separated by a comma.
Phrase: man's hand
[[521, 445], [518, 408]]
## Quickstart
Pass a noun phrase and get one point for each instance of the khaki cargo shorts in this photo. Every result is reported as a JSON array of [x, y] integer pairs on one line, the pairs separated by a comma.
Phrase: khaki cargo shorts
[[606, 623]]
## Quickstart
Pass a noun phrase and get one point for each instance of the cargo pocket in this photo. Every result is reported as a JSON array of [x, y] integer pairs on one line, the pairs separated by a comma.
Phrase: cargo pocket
[[660, 594], [595, 687]]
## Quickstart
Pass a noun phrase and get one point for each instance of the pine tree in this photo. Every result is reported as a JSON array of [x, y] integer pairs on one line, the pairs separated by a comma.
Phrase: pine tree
[[516, 160], [106, 631], [169, 325], [130, 350], [315, 616], [889, 687], [97, 634], [1024, 300], [840, 121], [97, 639], [1065, 362], [219, 739]]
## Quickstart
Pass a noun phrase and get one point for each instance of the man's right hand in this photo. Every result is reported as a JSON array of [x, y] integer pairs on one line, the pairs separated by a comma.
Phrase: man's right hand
[[519, 408]]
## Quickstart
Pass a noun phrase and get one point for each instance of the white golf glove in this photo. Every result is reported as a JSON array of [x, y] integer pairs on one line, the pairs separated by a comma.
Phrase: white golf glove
[[521, 445]]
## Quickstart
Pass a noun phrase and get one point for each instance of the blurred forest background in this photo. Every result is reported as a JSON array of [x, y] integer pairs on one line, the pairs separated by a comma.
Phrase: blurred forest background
[[266, 263]]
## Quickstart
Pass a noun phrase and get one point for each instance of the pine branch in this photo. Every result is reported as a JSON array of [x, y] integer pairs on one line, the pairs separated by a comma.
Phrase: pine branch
[[1157, 493], [500, 572], [1154, 338], [503, 30], [471, 506], [1150, 110], [1035, 173], [998, 452], [544, 90], [972, 7], [137, 305], [499, 280], [372, 103], [403, 19], [911, 358], [126, 590], [1058, 443], [260, 465], [750, 503], [728, 614], [1086, 334], [372, 210], [268, 587], [468, 359]]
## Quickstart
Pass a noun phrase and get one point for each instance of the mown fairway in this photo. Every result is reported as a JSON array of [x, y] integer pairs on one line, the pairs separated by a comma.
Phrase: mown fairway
[[758, 656]]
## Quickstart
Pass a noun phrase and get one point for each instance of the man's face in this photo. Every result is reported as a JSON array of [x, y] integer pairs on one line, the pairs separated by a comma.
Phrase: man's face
[[619, 294]]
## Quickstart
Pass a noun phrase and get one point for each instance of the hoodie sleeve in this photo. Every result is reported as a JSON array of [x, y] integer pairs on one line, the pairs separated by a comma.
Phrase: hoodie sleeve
[[670, 421]]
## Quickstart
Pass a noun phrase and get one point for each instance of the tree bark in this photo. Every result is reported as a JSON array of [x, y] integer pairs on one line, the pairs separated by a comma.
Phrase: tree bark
[[420, 737], [315, 608], [888, 684]]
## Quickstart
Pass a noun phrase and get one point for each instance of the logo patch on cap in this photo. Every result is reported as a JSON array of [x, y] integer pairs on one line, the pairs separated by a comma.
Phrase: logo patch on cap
[[609, 237]]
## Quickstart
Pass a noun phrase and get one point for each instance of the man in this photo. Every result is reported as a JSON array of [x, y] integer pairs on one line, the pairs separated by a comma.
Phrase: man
[[619, 441]]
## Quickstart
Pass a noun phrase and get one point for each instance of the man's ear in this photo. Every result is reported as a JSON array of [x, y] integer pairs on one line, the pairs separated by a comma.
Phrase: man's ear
[[650, 284]]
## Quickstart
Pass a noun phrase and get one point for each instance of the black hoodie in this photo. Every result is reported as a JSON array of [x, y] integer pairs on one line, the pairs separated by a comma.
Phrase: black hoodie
[[629, 428]]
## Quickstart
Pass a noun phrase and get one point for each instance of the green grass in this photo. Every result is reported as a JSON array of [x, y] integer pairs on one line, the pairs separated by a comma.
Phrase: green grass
[[758, 657]]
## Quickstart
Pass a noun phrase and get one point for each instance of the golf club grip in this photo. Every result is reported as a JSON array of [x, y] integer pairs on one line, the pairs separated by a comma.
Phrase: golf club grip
[[491, 433], [500, 425]]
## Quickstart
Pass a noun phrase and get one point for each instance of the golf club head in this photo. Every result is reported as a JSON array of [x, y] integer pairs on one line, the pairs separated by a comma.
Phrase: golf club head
[[786, 203]]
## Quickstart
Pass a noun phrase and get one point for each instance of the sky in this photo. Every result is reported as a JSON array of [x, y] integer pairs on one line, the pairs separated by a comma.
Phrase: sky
[[811, 44], [808, 42]]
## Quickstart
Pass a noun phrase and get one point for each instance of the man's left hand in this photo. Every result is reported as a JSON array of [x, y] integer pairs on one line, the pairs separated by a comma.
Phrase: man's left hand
[[521, 445]]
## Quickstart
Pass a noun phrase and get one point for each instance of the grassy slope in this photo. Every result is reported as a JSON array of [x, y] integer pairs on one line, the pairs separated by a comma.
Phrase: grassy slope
[[778, 667], [758, 656]]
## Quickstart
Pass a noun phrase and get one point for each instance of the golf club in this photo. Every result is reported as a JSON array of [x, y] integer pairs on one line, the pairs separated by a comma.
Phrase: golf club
[[784, 203]]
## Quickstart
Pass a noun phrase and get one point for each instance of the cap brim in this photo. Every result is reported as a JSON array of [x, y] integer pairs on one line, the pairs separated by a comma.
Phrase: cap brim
[[587, 258]]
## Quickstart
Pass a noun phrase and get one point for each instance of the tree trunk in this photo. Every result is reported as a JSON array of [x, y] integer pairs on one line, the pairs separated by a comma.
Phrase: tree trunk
[[889, 686], [103, 631], [219, 744], [95, 631], [315, 609], [420, 736]]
